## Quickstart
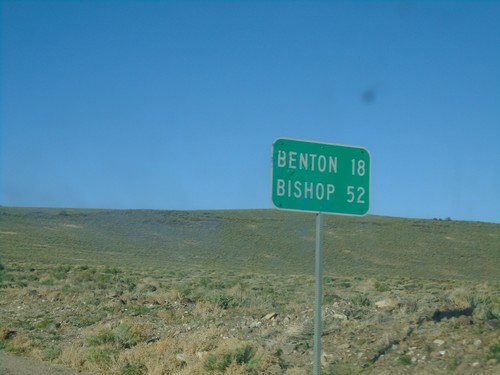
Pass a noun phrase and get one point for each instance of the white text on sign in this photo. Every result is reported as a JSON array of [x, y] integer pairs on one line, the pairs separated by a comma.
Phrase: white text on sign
[[305, 161], [320, 163], [305, 190]]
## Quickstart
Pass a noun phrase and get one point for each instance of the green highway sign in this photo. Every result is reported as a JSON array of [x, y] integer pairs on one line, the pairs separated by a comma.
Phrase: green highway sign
[[320, 177]]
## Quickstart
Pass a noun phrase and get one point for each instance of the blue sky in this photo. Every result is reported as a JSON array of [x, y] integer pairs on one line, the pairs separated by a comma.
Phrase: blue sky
[[176, 104]]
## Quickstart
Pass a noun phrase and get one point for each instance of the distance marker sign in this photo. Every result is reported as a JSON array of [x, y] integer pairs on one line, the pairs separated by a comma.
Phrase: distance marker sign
[[320, 177]]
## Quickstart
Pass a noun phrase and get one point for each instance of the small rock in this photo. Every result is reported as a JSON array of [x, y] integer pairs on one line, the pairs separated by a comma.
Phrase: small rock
[[339, 316], [200, 355], [255, 324], [492, 362], [180, 357], [271, 315], [325, 358], [442, 352], [476, 364], [438, 342], [477, 343], [385, 304]]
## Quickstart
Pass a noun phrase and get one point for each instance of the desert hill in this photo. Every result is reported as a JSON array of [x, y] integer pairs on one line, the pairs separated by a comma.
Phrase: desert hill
[[252, 240]]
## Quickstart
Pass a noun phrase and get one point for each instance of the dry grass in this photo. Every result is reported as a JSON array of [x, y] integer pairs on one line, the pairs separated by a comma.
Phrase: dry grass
[[139, 293], [147, 323]]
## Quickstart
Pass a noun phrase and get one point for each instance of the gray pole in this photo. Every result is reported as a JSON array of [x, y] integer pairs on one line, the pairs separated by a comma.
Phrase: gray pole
[[319, 293]]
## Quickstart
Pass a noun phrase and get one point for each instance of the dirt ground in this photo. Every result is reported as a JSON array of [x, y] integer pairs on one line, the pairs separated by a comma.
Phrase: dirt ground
[[11, 364]]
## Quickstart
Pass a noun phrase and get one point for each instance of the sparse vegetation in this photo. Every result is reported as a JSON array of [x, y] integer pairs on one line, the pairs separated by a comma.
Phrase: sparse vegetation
[[404, 359], [359, 299], [494, 351], [132, 369], [241, 356], [199, 314], [51, 352]]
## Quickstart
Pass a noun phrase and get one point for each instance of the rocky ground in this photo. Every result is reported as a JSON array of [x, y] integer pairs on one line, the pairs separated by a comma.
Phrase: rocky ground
[[111, 321]]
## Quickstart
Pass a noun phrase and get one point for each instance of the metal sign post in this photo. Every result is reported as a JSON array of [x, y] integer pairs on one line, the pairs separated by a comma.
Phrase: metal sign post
[[319, 293], [320, 178]]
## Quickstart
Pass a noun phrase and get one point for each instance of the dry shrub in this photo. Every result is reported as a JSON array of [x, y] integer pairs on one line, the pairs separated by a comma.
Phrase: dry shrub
[[238, 292], [155, 298], [366, 286], [460, 298], [124, 334], [4, 333], [20, 344], [170, 355], [154, 358], [164, 345], [185, 354], [168, 316], [202, 308], [173, 294], [73, 356], [230, 357], [102, 359], [140, 329], [235, 356], [157, 358], [37, 353], [235, 369], [297, 371], [204, 341]]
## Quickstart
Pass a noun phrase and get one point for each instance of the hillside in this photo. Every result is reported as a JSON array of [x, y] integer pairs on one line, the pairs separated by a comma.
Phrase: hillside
[[137, 292], [267, 241]]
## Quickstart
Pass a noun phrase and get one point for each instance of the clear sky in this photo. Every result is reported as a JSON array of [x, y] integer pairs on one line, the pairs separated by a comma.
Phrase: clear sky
[[176, 104]]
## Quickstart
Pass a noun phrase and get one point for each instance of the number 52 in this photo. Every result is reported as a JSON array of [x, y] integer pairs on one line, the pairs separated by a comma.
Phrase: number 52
[[351, 192]]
